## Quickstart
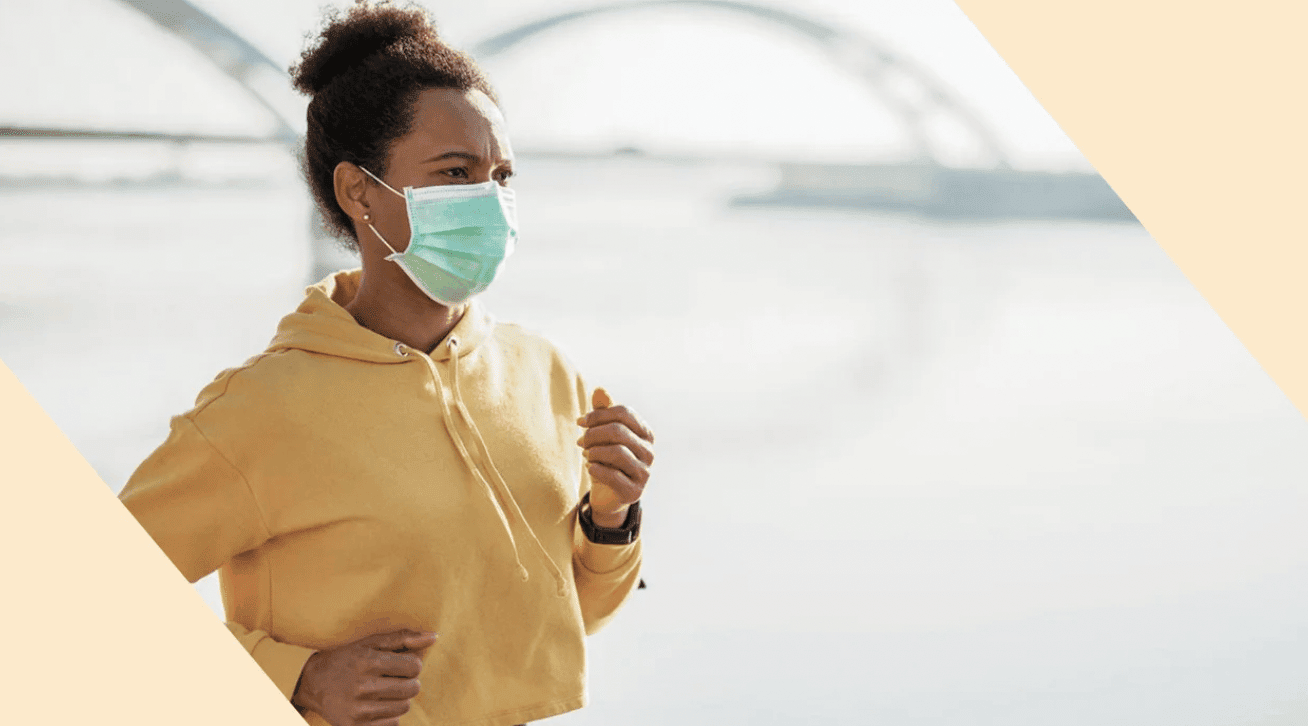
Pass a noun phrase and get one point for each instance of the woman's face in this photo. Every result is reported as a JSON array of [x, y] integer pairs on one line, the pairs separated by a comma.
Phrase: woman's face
[[457, 137]]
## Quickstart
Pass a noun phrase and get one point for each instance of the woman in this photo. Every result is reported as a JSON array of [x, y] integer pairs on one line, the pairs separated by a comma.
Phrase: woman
[[394, 493]]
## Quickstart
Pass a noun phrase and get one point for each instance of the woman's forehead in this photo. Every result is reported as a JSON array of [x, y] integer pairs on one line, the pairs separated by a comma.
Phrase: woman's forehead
[[450, 117]]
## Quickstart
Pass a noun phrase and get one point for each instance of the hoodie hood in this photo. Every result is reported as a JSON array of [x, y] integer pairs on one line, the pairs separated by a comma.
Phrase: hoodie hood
[[322, 325]]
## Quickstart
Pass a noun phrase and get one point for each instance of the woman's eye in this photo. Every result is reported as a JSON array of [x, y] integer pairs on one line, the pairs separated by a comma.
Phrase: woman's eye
[[459, 172]]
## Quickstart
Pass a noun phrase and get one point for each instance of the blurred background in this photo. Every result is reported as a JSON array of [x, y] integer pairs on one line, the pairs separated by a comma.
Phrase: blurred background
[[944, 437]]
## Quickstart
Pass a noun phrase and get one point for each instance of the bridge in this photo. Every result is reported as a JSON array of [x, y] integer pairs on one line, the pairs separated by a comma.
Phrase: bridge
[[906, 89]]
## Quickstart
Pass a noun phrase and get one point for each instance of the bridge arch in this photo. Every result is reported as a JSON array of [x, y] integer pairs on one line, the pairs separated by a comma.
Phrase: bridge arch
[[870, 60], [262, 79]]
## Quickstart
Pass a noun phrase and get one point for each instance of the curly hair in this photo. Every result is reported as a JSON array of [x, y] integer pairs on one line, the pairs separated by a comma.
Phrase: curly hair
[[363, 74]]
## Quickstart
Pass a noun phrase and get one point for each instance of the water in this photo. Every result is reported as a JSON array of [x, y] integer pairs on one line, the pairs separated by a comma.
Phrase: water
[[909, 473]]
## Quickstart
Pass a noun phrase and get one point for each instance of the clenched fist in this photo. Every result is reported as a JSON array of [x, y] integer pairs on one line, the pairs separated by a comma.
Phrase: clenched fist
[[619, 449], [368, 682]]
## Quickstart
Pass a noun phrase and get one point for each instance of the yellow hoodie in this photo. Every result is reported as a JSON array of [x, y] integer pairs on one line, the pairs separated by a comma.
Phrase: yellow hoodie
[[344, 484]]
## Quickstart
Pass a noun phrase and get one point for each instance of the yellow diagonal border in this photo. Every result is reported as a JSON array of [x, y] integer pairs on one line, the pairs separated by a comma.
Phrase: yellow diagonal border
[[1195, 113], [101, 628]]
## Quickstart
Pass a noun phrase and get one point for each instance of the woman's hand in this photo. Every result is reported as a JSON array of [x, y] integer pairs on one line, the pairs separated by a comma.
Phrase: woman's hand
[[369, 681], [619, 447]]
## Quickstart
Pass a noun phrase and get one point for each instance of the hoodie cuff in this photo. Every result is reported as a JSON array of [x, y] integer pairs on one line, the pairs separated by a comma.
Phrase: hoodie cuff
[[604, 559], [281, 662]]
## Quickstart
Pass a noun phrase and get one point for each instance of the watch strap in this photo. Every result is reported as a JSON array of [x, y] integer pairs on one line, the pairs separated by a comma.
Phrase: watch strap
[[624, 535]]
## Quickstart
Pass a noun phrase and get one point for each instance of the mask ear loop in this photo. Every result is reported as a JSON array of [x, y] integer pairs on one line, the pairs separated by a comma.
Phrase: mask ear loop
[[374, 229]]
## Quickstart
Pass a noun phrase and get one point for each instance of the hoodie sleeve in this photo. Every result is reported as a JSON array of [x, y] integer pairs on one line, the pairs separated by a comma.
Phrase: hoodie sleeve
[[194, 503], [605, 575], [201, 512]]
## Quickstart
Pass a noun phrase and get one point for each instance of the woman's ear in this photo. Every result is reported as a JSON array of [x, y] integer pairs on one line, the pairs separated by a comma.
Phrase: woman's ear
[[351, 185]]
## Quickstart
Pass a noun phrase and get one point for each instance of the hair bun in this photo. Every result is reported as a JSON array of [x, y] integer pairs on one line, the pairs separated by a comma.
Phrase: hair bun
[[348, 39]]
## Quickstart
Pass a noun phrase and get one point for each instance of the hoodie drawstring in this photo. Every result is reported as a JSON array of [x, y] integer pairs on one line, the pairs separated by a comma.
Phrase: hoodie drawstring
[[503, 487], [495, 487]]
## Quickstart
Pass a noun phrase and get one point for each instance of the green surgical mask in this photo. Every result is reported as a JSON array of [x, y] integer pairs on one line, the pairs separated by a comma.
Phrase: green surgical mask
[[459, 237]]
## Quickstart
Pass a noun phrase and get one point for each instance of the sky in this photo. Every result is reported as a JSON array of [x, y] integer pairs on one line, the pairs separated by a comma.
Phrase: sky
[[696, 79]]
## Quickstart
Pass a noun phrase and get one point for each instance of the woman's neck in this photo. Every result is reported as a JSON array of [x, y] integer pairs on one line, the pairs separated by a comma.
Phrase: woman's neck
[[391, 305]]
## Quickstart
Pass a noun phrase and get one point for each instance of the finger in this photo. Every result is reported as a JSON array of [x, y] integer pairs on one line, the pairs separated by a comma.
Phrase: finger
[[399, 640], [618, 414], [617, 434], [370, 712], [391, 641], [395, 665], [419, 641], [390, 689], [626, 490], [620, 458]]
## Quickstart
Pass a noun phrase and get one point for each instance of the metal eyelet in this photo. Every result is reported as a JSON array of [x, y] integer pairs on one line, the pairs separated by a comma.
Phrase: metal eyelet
[[400, 351]]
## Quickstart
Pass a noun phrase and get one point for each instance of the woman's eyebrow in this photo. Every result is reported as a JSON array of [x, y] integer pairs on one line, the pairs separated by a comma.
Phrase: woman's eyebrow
[[454, 155]]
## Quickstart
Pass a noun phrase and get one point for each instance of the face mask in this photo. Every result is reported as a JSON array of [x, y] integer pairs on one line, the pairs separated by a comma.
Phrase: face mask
[[459, 237]]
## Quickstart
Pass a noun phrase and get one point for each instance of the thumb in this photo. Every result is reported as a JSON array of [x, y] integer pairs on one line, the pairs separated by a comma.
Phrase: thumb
[[600, 399]]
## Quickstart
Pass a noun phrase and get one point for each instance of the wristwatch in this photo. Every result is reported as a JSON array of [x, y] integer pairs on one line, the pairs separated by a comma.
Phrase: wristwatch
[[626, 534]]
